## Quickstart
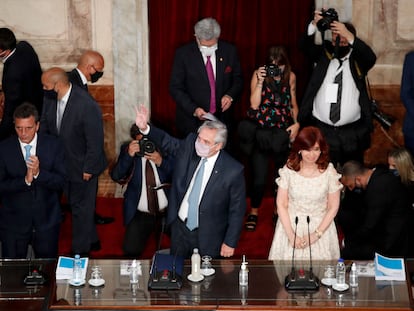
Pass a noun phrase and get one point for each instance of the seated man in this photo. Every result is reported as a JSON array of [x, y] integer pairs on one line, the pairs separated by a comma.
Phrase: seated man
[[384, 216], [143, 206]]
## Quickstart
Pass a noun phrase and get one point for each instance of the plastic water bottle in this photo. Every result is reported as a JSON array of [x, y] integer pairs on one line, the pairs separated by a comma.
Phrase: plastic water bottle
[[133, 276], [244, 273], [353, 276], [195, 264], [77, 270], [340, 272]]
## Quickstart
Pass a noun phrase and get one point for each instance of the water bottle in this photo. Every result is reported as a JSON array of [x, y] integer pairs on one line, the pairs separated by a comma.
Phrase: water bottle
[[353, 276], [244, 273], [133, 276], [195, 264], [77, 270], [340, 272]]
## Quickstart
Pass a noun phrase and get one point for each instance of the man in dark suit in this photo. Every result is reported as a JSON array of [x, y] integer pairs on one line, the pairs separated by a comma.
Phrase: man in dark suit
[[32, 173], [72, 114], [21, 78], [189, 82], [208, 199], [90, 68], [338, 81], [383, 221], [407, 97], [142, 211]]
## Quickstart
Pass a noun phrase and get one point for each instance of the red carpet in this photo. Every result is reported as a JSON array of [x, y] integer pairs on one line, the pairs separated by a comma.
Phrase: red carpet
[[252, 244]]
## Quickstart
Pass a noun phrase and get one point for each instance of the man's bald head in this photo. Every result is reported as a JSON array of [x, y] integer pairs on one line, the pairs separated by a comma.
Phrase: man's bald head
[[56, 79], [91, 64]]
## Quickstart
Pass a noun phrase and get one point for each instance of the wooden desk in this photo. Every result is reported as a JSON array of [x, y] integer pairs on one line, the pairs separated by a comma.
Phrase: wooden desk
[[15, 295], [222, 292]]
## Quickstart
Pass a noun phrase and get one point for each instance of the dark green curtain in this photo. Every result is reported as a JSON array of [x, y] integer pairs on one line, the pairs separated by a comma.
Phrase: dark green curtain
[[252, 25]]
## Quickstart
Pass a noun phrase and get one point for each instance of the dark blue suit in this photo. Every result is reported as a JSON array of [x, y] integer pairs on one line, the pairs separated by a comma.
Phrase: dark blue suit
[[139, 225], [190, 88], [37, 206], [407, 97], [82, 135], [21, 82], [223, 203]]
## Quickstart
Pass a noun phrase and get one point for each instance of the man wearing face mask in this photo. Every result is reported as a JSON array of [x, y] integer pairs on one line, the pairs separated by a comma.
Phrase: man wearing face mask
[[207, 200], [73, 115], [383, 222], [206, 77], [20, 81], [90, 68], [338, 81]]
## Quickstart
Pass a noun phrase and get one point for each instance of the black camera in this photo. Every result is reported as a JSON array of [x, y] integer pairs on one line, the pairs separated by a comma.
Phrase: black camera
[[145, 146], [384, 120], [273, 70], [328, 17]]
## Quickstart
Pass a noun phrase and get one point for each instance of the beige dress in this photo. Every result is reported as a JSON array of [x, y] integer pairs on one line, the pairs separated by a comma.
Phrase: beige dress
[[308, 196]]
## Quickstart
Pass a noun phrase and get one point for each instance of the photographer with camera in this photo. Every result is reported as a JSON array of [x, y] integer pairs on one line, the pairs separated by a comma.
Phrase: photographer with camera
[[336, 99], [272, 122], [142, 168]]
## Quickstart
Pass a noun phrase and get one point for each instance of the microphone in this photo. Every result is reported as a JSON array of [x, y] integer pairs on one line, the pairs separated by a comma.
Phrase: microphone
[[292, 272], [310, 251]]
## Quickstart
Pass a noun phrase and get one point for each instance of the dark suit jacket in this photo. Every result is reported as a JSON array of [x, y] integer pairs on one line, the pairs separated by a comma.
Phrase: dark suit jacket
[[76, 79], [122, 172], [190, 88], [21, 82], [24, 207], [361, 60], [384, 227], [407, 94], [81, 133], [223, 204]]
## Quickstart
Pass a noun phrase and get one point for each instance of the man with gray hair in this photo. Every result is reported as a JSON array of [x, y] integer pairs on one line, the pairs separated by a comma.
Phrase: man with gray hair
[[206, 78], [208, 198]]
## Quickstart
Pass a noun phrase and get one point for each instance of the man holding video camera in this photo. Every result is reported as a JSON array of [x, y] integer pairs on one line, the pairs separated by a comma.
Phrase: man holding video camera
[[336, 99], [143, 205]]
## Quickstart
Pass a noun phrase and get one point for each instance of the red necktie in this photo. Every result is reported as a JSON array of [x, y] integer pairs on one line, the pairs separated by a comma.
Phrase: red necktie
[[212, 81]]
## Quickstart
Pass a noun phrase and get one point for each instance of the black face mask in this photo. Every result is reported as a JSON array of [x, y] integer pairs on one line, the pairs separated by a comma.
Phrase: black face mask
[[96, 76], [50, 94]]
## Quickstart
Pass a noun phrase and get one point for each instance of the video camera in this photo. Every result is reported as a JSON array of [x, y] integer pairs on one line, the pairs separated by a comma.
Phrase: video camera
[[273, 70], [328, 17], [384, 120]]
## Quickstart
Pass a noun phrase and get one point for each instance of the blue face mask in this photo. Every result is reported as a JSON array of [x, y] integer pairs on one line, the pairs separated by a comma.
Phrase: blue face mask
[[357, 190], [395, 172]]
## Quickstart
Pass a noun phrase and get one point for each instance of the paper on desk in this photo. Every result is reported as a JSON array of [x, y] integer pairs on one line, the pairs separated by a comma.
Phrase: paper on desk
[[391, 269], [64, 269], [365, 268]]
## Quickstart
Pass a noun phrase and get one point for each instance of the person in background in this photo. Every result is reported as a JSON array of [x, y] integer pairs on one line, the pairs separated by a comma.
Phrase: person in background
[[407, 97], [338, 81], [207, 199], [21, 81], [32, 174], [206, 77], [142, 211], [70, 113], [90, 68], [386, 209], [307, 201], [274, 110]]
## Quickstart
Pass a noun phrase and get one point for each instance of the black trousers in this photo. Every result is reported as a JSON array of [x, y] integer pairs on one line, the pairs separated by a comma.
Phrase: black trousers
[[183, 241]]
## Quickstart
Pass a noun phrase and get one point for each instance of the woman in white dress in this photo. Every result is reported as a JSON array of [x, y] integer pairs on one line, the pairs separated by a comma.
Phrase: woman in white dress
[[308, 187]]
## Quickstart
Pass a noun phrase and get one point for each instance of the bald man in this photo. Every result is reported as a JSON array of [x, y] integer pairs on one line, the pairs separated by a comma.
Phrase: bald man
[[73, 115], [90, 68]]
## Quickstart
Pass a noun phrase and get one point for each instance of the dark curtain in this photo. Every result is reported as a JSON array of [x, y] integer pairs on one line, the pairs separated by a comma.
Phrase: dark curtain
[[252, 25]]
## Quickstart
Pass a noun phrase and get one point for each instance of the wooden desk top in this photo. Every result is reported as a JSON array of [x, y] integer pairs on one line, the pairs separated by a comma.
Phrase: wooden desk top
[[221, 291]]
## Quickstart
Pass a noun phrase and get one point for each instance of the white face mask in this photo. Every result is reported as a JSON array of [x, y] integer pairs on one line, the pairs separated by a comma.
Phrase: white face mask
[[208, 50], [202, 150]]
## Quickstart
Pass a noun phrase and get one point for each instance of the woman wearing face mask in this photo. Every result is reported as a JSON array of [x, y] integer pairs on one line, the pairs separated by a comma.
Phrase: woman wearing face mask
[[401, 164], [273, 110]]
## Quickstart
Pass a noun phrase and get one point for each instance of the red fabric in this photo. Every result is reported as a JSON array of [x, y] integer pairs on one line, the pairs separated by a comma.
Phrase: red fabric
[[253, 26]]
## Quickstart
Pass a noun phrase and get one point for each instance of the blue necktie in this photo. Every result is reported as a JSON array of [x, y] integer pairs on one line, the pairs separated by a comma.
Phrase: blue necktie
[[194, 197], [27, 156]]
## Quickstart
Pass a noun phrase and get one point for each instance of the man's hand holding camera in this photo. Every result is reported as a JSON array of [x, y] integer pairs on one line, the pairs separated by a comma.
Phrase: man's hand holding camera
[[134, 148]]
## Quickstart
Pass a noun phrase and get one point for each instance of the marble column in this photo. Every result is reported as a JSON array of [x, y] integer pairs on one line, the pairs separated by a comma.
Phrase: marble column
[[131, 62]]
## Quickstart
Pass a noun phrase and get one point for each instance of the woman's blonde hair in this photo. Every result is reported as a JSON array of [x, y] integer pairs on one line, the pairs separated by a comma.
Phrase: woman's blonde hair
[[403, 164]]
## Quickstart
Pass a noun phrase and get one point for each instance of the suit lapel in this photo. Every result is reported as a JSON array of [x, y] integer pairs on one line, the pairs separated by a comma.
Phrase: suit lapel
[[212, 181], [220, 63]]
